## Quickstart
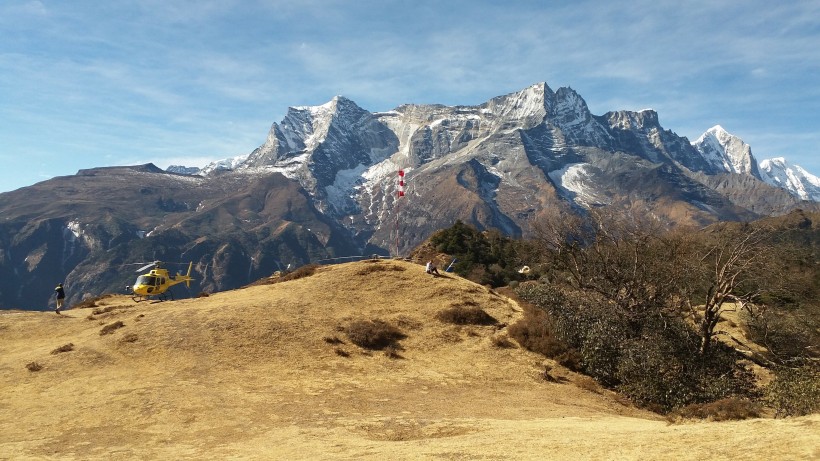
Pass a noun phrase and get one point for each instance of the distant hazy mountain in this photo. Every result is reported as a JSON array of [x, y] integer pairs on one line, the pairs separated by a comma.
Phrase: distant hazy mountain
[[324, 184]]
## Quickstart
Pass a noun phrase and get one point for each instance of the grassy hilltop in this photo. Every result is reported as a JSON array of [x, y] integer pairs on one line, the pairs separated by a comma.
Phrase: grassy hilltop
[[365, 360]]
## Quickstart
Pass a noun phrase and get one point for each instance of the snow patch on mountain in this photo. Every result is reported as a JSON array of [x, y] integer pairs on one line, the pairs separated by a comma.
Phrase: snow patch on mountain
[[340, 194], [225, 164], [576, 181], [799, 182]]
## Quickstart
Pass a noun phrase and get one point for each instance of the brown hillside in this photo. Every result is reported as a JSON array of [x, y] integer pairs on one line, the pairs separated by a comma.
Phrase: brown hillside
[[268, 372]]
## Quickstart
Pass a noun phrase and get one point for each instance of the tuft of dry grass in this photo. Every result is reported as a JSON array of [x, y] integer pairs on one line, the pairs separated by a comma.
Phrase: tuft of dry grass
[[341, 352], [111, 327], [129, 338], [589, 384], [392, 352], [64, 348], [371, 268], [373, 334], [279, 277], [461, 314], [302, 272], [105, 310], [33, 366], [729, 409], [503, 342], [90, 302]]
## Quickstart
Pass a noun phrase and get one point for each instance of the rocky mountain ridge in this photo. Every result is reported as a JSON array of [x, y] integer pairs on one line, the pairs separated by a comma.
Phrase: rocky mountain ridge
[[324, 185]]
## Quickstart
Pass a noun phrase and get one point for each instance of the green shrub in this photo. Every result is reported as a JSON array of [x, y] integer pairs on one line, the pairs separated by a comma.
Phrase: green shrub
[[487, 258], [373, 334], [795, 392]]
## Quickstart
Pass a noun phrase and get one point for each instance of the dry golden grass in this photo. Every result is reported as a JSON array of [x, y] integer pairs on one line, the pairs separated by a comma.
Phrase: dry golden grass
[[267, 372]]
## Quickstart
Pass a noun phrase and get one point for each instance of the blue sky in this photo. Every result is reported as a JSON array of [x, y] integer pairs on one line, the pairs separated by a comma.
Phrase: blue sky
[[88, 83]]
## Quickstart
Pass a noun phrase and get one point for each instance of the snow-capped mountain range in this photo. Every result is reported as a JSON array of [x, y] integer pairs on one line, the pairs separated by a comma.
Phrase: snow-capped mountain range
[[730, 153], [325, 184], [779, 173], [304, 128]]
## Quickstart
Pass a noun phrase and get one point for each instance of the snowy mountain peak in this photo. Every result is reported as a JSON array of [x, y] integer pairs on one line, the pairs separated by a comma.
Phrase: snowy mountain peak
[[727, 152], [799, 182], [528, 105]]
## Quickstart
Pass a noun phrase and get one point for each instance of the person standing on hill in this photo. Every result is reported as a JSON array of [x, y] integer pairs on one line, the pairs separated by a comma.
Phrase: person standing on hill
[[60, 294]]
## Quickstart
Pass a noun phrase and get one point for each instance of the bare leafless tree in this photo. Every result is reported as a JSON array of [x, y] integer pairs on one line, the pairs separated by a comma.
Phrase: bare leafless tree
[[645, 268], [630, 259], [737, 265]]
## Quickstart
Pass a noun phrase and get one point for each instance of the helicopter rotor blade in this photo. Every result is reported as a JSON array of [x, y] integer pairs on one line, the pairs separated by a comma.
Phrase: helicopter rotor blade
[[147, 266]]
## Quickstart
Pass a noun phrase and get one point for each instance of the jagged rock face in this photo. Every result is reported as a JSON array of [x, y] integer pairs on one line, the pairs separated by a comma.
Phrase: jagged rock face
[[324, 184], [727, 152], [316, 144], [640, 133]]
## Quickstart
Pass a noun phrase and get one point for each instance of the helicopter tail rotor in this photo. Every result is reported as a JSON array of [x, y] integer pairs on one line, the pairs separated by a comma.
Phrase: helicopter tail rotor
[[188, 275]]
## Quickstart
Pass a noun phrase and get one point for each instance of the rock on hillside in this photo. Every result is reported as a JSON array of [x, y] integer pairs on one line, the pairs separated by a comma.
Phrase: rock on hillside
[[268, 372]]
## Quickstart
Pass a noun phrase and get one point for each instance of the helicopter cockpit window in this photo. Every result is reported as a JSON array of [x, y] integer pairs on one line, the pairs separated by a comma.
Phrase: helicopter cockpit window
[[146, 280]]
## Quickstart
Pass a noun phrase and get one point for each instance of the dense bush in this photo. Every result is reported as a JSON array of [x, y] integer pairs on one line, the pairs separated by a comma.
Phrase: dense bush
[[789, 333], [795, 392], [487, 258], [534, 332], [653, 360]]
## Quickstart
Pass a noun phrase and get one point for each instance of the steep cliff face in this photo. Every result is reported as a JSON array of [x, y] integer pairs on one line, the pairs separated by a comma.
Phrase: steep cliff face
[[324, 184], [726, 152]]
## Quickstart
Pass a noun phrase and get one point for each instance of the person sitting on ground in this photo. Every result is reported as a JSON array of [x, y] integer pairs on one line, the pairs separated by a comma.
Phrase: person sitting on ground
[[431, 268]]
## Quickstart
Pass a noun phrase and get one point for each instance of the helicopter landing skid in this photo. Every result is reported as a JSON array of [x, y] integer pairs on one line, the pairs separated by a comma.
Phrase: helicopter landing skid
[[157, 298]]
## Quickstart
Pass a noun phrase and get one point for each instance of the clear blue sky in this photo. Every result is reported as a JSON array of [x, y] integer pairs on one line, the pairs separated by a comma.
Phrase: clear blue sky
[[97, 83]]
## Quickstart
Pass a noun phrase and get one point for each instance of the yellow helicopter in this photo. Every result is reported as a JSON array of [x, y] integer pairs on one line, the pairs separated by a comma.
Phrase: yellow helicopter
[[157, 282]]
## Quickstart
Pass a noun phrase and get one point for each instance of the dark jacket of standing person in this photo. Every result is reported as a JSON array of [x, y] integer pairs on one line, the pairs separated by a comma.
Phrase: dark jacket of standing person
[[60, 294]]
